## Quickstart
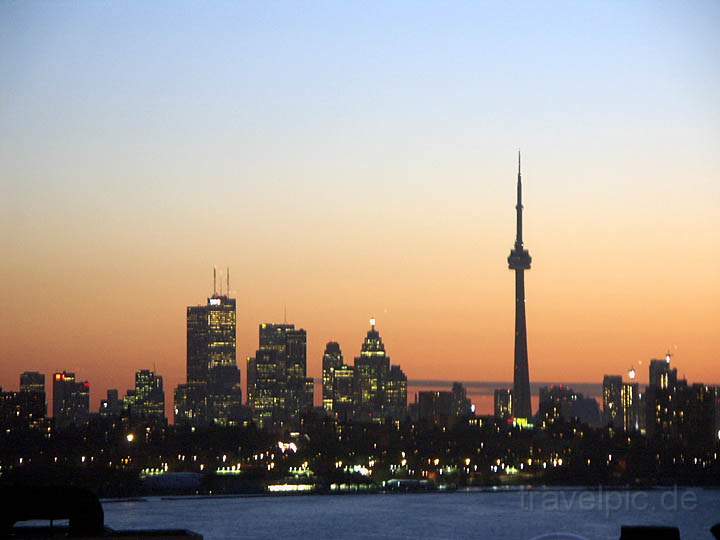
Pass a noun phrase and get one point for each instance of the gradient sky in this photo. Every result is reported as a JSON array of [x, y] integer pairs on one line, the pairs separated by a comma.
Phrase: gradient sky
[[358, 159]]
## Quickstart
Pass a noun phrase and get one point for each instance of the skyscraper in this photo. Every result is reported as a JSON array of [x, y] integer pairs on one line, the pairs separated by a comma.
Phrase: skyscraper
[[332, 360], [661, 410], [212, 373], [266, 378], [32, 388], [612, 401], [343, 392], [396, 394], [149, 395], [502, 401], [631, 406], [279, 378], [71, 399], [371, 373], [519, 260]]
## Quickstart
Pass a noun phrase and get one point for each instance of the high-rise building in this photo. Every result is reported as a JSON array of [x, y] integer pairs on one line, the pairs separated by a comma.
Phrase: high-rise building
[[612, 401], [291, 345], [461, 405], [190, 408], [343, 392], [660, 416], [396, 394], [435, 407], [371, 373], [111, 406], [267, 383], [563, 403], [332, 360], [211, 363], [71, 399], [279, 389], [503, 404], [149, 396], [630, 398], [32, 381], [32, 390], [519, 261]]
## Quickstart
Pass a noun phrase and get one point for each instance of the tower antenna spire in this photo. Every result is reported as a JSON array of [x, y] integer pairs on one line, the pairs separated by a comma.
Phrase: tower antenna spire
[[214, 280], [227, 276]]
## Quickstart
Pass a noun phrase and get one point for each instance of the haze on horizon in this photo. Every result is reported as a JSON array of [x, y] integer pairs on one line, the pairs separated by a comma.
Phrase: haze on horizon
[[349, 163]]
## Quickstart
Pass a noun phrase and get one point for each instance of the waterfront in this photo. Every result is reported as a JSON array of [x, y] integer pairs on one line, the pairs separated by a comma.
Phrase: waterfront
[[513, 514]]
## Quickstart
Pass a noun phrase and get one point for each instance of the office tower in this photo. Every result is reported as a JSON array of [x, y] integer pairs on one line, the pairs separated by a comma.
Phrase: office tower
[[461, 406], [662, 376], [519, 261], [332, 360], [149, 395], [267, 377], [696, 415], [32, 390], [291, 345], [32, 381], [435, 407], [197, 344], [612, 401], [279, 383], [561, 403], [111, 406], [502, 401], [630, 398], [211, 361], [71, 400], [343, 392], [660, 394], [396, 394], [371, 373], [190, 405]]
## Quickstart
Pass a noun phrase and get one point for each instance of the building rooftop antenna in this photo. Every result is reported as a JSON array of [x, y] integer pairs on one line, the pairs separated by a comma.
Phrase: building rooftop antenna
[[214, 280]]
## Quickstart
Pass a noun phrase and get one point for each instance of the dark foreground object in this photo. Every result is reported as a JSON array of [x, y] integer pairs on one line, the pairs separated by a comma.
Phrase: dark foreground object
[[80, 507], [648, 533]]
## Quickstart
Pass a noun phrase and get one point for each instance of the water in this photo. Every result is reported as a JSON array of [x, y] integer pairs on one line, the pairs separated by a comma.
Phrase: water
[[523, 515]]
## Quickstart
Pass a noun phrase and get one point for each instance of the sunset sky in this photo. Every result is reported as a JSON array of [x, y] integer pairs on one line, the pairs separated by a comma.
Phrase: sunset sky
[[350, 160]]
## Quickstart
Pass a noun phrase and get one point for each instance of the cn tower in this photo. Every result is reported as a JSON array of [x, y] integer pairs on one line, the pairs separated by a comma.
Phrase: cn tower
[[519, 260]]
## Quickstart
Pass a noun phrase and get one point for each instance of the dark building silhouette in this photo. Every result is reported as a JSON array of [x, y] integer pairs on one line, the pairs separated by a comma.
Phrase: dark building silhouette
[[519, 261], [112, 406], [71, 400], [396, 394], [32, 390], [502, 401], [612, 401], [661, 409], [461, 405], [561, 403], [435, 407]]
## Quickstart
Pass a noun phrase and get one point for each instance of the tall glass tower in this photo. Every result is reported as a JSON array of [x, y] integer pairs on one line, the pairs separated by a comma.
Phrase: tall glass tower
[[519, 260]]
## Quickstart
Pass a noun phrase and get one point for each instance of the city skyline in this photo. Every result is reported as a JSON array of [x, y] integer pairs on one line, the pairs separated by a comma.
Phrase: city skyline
[[342, 187]]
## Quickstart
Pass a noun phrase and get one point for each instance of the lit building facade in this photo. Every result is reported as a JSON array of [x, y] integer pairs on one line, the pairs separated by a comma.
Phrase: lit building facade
[[502, 403], [213, 393], [332, 360], [371, 373]]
